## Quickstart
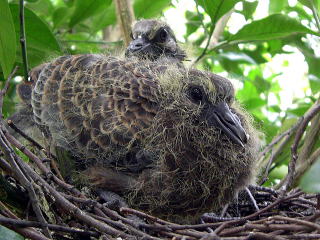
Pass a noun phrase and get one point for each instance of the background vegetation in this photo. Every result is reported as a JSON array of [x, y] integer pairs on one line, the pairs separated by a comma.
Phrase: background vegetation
[[57, 27]]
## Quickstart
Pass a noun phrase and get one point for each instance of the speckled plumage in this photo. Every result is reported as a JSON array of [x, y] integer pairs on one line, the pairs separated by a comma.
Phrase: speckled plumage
[[138, 132]]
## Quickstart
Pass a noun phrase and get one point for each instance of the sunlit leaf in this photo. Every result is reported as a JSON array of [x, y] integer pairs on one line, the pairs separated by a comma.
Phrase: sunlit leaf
[[238, 57], [38, 34], [249, 8], [86, 9], [276, 6], [271, 27], [60, 16], [311, 3], [104, 19], [300, 110], [310, 182], [314, 83], [7, 39], [254, 103], [149, 8], [216, 9], [194, 22], [41, 7]]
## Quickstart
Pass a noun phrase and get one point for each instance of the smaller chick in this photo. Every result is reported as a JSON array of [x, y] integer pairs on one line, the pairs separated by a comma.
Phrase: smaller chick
[[153, 39]]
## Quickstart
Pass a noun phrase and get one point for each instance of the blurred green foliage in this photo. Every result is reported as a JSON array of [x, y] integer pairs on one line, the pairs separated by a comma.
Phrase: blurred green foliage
[[56, 27]]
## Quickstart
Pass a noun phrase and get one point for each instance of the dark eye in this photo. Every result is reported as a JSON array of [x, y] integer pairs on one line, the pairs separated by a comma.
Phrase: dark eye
[[131, 36], [196, 94], [162, 35]]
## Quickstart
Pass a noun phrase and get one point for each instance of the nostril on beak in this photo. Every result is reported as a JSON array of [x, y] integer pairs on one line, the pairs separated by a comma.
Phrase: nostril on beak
[[135, 46]]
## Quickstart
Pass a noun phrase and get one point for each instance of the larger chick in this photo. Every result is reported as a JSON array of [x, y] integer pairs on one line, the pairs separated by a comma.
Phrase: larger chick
[[192, 134]]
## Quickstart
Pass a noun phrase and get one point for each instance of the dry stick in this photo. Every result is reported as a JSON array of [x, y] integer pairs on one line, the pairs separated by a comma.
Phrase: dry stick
[[119, 224], [125, 18], [303, 236], [41, 166], [71, 208], [297, 221], [17, 223], [27, 233], [63, 202], [11, 157], [37, 145], [173, 226], [265, 176], [26, 183], [6, 166], [264, 236], [287, 135], [115, 215], [313, 111], [256, 214], [19, 131], [278, 138], [23, 42]]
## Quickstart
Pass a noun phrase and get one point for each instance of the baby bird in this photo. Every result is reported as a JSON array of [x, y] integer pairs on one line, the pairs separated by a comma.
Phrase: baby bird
[[171, 140], [153, 39]]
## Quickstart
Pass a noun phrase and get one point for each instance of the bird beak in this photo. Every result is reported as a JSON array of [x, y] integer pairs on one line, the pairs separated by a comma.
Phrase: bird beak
[[138, 44], [220, 116]]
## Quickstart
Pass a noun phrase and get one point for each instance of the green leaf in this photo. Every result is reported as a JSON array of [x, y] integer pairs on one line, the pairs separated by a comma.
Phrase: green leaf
[[300, 110], [43, 8], [38, 34], [194, 22], [309, 3], [238, 57], [310, 181], [314, 82], [105, 18], [149, 8], [276, 6], [217, 8], [249, 8], [254, 103], [86, 9], [60, 16], [7, 39], [271, 27], [6, 233]]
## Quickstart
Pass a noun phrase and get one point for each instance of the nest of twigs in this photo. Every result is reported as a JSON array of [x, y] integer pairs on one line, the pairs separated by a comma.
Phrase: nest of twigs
[[38, 203]]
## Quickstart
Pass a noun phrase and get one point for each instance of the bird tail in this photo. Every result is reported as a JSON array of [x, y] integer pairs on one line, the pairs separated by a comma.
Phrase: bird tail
[[23, 117]]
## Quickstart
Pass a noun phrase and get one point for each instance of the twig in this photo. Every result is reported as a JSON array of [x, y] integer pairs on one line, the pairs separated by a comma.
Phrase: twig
[[9, 154], [72, 209], [14, 127], [125, 18], [17, 223], [313, 111], [23, 42], [297, 221], [278, 138], [40, 165], [252, 199], [206, 47]]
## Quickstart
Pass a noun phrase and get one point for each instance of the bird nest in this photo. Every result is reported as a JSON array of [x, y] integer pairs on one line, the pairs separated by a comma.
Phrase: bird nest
[[39, 204]]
